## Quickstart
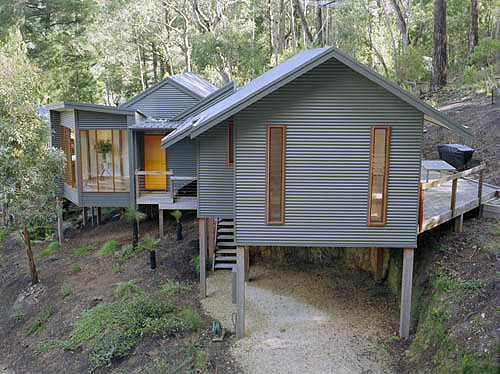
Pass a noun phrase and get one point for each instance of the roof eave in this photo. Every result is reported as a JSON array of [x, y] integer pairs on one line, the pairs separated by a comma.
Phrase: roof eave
[[88, 107]]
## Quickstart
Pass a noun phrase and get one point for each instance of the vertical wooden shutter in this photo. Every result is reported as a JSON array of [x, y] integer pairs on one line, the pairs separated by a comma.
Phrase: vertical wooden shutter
[[378, 175], [275, 174]]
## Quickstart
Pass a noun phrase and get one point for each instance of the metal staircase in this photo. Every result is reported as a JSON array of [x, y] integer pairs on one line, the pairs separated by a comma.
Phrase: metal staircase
[[225, 247]]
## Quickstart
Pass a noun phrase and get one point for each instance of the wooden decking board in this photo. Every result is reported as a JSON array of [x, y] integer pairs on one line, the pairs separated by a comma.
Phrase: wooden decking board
[[437, 201]]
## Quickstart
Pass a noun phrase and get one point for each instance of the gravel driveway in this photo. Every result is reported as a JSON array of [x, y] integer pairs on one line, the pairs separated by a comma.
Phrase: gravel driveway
[[308, 320]]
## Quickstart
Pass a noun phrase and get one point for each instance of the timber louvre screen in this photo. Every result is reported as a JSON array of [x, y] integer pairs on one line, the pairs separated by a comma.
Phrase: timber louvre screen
[[379, 167], [275, 174]]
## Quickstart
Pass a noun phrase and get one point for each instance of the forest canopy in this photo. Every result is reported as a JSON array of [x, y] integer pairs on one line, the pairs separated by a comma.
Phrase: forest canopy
[[105, 51]]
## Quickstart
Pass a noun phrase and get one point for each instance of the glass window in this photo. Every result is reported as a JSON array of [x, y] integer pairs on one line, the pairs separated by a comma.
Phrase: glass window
[[275, 173], [104, 160], [68, 146], [378, 175], [230, 145]]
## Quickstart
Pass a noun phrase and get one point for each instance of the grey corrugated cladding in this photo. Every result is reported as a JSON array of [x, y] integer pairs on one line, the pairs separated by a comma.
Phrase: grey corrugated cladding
[[69, 105], [68, 119], [103, 121], [164, 102], [55, 120], [155, 124], [215, 176], [181, 159], [287, 72], [105, 199], [328, 113], [194, 83]]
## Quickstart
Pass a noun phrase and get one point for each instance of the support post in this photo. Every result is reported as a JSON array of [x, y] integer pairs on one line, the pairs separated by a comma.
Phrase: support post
[[247, 264], [459, 222], [420, 207], [60, 222], [453, 197], [92, 216], [406, 288], [211, 241], [85, 215], [378, 266], [240, 293], [480, 186], [203, 257], [99, 216], [160, 222]]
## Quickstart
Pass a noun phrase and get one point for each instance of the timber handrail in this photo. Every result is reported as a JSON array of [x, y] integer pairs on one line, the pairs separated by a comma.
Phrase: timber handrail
[[179, 178], [151, 172], [454, 178]]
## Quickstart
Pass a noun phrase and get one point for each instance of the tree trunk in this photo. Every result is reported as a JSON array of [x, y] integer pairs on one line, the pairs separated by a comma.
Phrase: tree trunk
[[440, 57], [155, 62], [319, 26], [303, 19], [29, 252], [473, 29], [402, 24], [135, 230], [388, 21], [498, 24]]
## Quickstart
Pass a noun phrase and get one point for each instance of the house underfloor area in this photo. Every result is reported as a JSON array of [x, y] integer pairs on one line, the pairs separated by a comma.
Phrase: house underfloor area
[[308, 319]]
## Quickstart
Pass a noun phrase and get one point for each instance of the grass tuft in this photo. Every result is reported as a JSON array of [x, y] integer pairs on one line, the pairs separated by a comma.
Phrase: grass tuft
[[107, 248], [47, 346], [17, 315], [126, 289], [51, 249], [76, 267], [172, 288], [82, 251], [66, 290], [38, 324], [492, 246]]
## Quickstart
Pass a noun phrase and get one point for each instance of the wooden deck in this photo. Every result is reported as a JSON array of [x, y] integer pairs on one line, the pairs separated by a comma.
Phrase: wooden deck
[[437, 206]]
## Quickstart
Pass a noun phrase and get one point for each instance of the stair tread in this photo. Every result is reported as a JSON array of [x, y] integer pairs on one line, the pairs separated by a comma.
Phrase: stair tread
[[225, 230], [224, 258], [226, 244], [226, 251], [226, 223], [224, 265], [225, 236]]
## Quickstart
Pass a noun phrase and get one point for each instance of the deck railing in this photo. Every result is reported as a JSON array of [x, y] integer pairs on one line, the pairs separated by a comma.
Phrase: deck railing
[[140, 180], [170, 184], [172, 181], [454, 179]]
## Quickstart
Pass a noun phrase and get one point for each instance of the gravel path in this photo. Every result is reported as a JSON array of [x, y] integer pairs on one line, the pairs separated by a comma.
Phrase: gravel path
[[319, 320]]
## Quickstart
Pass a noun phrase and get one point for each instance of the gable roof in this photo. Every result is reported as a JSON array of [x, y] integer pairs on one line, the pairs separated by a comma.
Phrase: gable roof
[[285, 73], [68, 105], [189, 83]]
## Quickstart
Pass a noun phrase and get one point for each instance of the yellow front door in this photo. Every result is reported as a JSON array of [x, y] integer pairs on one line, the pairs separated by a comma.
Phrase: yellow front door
[[155, 159]]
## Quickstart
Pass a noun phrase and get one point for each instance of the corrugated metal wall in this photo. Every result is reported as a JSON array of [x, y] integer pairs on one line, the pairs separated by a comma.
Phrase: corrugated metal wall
[[328, 113], [165, 102], [105, 199], [101, 121], [216, 177], [68, 119], [181, 158], [55, 120], [71, 194]]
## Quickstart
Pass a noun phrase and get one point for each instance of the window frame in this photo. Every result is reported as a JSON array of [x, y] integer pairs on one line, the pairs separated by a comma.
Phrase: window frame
[[268, 202], [387, 129], [230, 143], [69, 175]]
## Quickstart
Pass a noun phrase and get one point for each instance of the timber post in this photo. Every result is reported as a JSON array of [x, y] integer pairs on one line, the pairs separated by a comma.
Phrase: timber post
[[99, 216], [211, 241], [85, 214], [240, 292], [378, 263], [459, 222], [60, 222], [160, 222], [203, 257], [406, 288]]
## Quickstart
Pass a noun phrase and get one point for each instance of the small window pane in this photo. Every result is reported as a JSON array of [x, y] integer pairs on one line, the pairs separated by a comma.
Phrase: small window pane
[[230, 145], [275, 174], [378, 175]]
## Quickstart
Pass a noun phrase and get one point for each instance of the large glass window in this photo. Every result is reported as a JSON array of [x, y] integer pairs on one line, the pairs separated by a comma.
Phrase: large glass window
[[275, 174], [378, 175], [68, 146], [104, 160]]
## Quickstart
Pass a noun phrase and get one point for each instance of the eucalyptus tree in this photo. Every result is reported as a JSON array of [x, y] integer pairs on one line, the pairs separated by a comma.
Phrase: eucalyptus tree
[[29, 166]]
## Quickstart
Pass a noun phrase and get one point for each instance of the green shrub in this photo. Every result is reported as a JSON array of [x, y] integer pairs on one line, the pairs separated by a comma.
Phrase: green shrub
[[111, 331], [76, 267], [65, 290], [38, 324], [470, 75], [127, 252], [492, 246], [4, 232], [126, 289], [47, 345], [486, 51], [18, 315], [192, 319], [173, 287], [107, 248], [195, 262], [82, 251], [51, 249], [177, 214], [149, 243]]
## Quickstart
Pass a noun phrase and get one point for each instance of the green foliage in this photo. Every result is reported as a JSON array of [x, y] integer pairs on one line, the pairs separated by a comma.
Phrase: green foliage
[[412, 68], [495, 229], [132, 213], [47, 346], [38, 324], [192, 319], [487, 51], [444, 283], [82, 251], [66, 290], [17, 315], [126, 289], [470, 75], [4, 232], [76, 267], [172, 288], [51, 249], [127, 252], [149, 243], [107, 248], [195, 262], [177, 215], [492, 245], [117, 268], [111, 331]]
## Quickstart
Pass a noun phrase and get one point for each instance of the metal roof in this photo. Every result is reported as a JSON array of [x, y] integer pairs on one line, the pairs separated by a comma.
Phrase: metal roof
[[189, 83], [68, 105], [156, 124], [285, 73]]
